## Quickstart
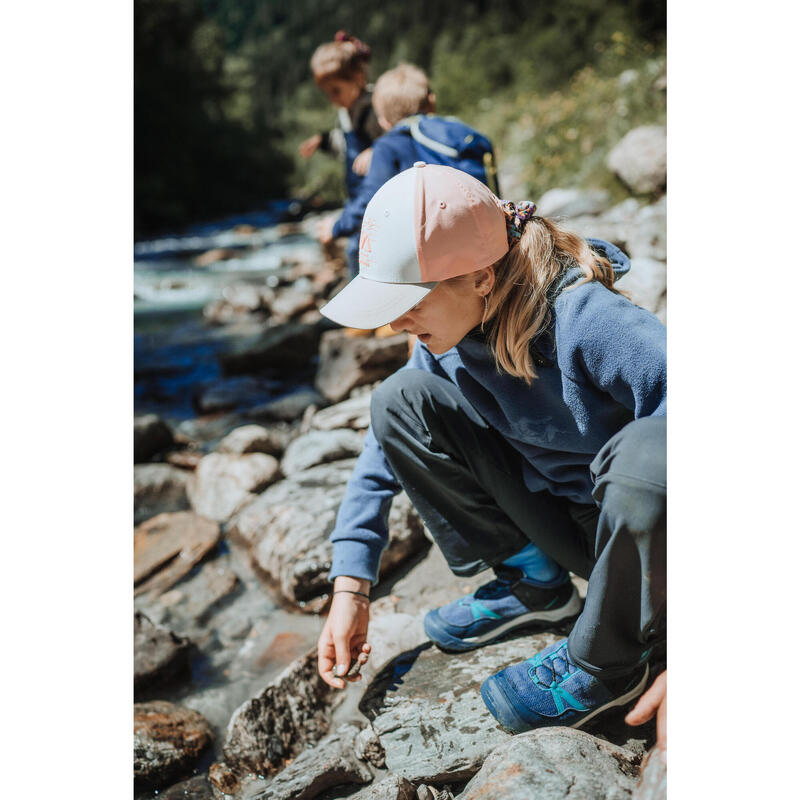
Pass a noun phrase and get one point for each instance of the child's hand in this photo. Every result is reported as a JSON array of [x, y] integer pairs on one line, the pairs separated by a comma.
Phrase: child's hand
[[362, 161], [325, 229], [653, 701], [343, 641], [310, 145]]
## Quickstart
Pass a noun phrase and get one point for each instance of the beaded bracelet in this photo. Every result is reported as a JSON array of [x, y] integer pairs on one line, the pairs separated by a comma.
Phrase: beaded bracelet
[[351, 591]]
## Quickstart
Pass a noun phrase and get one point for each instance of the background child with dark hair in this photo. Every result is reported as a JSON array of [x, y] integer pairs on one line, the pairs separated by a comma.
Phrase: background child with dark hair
[[340, 70]]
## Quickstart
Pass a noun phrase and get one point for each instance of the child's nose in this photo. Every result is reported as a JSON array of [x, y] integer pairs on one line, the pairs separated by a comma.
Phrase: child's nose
[[399, 324]]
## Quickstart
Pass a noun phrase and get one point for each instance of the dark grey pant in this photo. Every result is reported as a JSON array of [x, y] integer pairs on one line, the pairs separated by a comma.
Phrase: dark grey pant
[[466, 482]]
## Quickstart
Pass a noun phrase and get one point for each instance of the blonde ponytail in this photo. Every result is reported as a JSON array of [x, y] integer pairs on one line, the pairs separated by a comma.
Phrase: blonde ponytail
[[518, 306]]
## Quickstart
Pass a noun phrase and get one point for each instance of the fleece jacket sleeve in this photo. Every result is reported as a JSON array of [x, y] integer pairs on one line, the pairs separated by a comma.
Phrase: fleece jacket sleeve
[[384, 165], [362, 529], [618, 346]]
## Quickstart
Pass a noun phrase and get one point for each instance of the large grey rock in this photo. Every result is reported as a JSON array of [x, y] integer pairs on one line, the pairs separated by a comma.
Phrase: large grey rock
[[167, 741], [271, 440], [287, 529], [289, 408], [158, 488], [572, 202], [652, 778], [167, 547], [391, 788], [151, 435], [320, 447], [224, 483], [427, 710], [346, 362], [159, 655], [351, 413], [640, 159], [331, 762], [289, 345], [647, 235], [278, 723], [241, 391], [646, 283], [555, 764]]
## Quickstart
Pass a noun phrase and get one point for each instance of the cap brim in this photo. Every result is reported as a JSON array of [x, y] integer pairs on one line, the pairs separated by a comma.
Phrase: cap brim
[[369, 304]]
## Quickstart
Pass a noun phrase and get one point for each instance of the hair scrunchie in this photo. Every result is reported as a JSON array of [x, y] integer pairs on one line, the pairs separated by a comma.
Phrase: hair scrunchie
[[517, 214], [363, 51]]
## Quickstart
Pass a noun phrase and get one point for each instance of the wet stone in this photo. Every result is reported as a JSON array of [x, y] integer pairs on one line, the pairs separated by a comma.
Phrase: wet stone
[[159, 655], [167, 741], [158, 488], [197, 788], [553, 764]]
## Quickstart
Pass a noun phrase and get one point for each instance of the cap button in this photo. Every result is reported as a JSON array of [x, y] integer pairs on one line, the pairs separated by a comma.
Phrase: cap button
[[419, 163]]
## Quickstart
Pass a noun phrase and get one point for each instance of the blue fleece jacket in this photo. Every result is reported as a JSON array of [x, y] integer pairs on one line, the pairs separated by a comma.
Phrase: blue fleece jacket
[[457, 145], [608, 368]]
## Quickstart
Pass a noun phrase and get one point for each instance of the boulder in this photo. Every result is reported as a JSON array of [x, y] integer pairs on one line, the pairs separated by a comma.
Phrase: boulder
[[391, 788], [243, 391], [289, 345], [271, 440], [277, 724], [346, 362], [351, 413], [290, 303], [151, 435], [652, 778], [159, 655], [646, 283], [320, 447], [640, 159], [647, 235], [224, 483], [167, 547], [428, 713], [287, 529], [197, 788], [572, 202], [331, 762], [289, 408], [158, 488], [553, 764], [167, 741]]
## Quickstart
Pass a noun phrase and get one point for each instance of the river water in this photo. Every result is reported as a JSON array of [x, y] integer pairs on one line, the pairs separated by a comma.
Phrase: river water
[[174, 349]]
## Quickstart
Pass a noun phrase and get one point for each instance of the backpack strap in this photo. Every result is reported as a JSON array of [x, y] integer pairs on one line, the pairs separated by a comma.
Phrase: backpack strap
[[426, 141]]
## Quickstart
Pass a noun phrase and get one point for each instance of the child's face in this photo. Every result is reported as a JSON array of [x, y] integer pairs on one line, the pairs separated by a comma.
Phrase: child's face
[[341, 92], [446, 315]]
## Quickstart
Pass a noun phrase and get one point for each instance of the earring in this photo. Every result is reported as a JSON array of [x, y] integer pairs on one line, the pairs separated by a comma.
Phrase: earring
[[485, 311]]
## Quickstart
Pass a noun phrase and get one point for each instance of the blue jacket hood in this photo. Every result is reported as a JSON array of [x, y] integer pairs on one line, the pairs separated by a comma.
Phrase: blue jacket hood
[[448, 132], [620, 264]]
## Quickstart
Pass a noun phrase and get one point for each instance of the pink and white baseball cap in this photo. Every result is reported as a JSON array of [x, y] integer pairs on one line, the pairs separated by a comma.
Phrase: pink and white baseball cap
[[424, 225]]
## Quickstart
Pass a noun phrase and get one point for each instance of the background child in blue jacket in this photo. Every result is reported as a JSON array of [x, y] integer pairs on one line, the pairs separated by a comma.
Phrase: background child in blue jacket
[[340, 70], [405, 104]]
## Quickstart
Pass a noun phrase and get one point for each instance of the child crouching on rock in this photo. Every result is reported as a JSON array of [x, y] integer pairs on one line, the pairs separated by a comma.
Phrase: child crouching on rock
[[528, 428]]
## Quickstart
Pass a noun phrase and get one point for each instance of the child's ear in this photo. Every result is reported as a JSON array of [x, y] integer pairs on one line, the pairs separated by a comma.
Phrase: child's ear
[[431, 103], [484, 280], [384, 123]]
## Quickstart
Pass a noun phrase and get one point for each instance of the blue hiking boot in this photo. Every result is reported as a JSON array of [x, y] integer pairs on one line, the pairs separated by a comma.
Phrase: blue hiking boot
[[549, 689], [496, 608]]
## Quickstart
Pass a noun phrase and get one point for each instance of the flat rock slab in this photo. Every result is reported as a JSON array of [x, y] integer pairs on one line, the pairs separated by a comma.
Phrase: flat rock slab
[[287, 529], [351, 413], [159, 655], [555, 764], [168, 546], [279, 722], [346, 362], [167, 741], [391, 788], [271, 440], [320, 447], [224, 483], [427, 710], [158, 488], [329, 763]]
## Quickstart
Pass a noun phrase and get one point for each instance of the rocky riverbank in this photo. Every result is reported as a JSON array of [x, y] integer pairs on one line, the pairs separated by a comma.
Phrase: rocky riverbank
[[233, 509]]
